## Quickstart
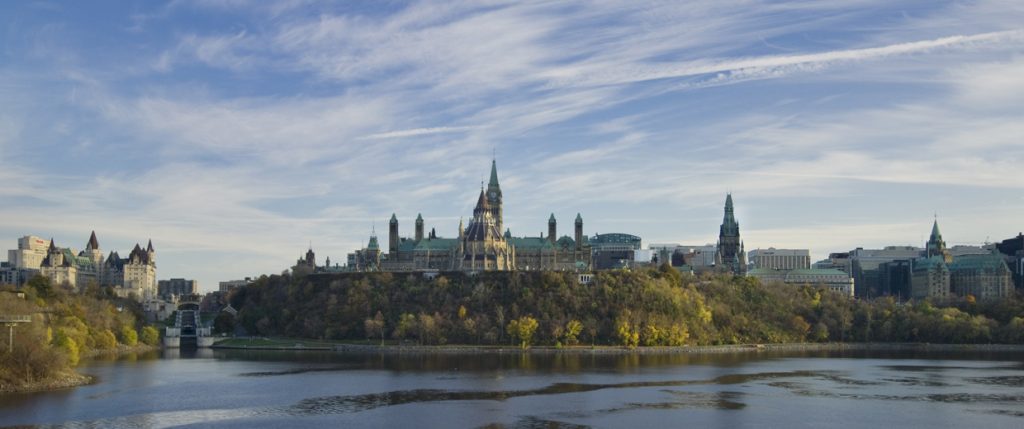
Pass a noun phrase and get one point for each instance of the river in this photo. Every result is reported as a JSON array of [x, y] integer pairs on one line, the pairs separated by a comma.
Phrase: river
[[245, 389]]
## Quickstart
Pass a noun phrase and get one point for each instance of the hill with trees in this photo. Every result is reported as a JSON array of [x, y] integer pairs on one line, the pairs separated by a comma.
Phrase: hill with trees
[[65, 327], [647, 307]]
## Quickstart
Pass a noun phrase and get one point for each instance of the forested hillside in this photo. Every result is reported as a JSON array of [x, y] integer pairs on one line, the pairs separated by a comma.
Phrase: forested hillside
[[65, 327], [652, 307]]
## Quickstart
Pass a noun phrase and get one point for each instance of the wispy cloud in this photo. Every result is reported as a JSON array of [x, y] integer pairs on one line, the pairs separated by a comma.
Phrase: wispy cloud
[[231, 127], [415, 132]]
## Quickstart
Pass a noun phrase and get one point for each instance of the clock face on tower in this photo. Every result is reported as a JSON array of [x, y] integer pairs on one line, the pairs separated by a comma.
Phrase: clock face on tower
[[492, 195]]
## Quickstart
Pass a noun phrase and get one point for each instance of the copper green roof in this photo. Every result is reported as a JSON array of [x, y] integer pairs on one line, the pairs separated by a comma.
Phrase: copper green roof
[[394, 219], [936, 235], [579, 218], [531, 243], [934, 262], [419, 217], [991, 263], [494, 174], [373, 243], [436, 244]]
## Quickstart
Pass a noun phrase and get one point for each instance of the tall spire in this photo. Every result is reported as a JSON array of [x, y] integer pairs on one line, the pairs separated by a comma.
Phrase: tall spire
[[149, 247], [93, 243], [494, 175], [730, 217], [936, 235]]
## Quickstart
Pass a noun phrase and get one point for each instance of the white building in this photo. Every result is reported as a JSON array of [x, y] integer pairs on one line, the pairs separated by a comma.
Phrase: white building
[[780, 259], [833, 279]]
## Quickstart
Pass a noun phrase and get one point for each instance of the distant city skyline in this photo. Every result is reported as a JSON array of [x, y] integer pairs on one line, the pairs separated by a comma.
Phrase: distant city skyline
[[233, 133]]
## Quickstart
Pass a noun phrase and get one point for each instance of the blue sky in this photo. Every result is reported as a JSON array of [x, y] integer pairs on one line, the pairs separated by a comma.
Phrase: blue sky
[[234, 133]]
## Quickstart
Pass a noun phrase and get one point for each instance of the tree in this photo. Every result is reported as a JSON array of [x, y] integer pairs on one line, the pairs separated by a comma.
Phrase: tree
[[129, 337], [523, 329], [224, 323], [406, 325], [150, 336], [626, 332], [375, 327], [572, 332]]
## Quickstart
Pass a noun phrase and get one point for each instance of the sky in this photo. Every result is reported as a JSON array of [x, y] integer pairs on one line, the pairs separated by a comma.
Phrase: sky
[[236, 133]]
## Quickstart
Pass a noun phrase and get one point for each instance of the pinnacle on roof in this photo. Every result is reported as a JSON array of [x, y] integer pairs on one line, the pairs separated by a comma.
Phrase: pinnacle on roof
[[552, 218], [93, 243], [579, 218], [53, 247], [481, 202], [149, 247], [494, 174], [936, 235], [419, 217], [394, 219], [729, 218]]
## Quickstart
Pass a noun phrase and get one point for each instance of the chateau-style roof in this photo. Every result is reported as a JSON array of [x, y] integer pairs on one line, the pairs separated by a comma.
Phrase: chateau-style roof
[[989, 263], [373, 243], [149, 247], [394, 219], [552, 218], [927, 264], [936, 235], [579, 218], [419, 217]]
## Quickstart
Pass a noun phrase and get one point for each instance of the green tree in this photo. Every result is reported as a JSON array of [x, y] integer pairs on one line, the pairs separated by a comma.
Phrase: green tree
[[523, 330], [129, 337], [406, 326], [150, 336], [572, 332]]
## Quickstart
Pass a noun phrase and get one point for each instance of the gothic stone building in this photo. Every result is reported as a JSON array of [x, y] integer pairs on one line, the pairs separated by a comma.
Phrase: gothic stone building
[[480, 246], [730, 256]]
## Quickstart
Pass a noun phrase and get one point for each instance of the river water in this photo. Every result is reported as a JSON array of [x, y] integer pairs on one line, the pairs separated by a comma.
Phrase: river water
[[244, 389]]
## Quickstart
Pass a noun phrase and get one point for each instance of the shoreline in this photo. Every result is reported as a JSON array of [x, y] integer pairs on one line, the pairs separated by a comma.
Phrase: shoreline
[[618, 350], [71, 378]]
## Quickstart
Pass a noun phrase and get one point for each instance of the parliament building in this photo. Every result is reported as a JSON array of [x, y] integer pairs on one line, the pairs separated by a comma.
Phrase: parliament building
[[480, 246]]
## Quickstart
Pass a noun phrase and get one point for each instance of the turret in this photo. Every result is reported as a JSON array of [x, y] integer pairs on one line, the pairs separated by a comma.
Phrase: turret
[[393, 235], [93, 244], [310, 257], [579, 232], [936, 246], [552, 229], [419, 227], [150, 252]]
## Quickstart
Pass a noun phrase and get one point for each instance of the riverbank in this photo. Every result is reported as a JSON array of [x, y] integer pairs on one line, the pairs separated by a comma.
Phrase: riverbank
[[62, 380], [717, 349], [286, 344], [66, 379]]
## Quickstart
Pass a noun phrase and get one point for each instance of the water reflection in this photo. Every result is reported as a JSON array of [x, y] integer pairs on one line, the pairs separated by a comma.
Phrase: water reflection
[[242, 388]]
